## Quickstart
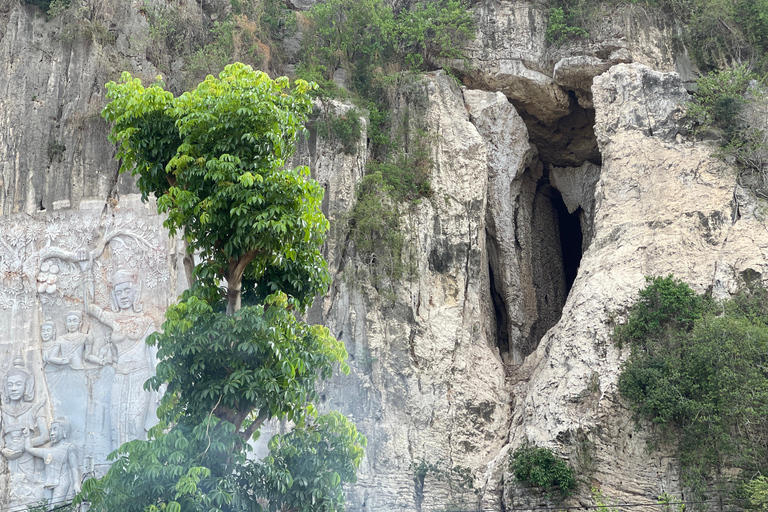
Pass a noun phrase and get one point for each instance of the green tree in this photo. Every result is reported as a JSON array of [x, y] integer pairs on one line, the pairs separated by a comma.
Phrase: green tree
[[233, 352]]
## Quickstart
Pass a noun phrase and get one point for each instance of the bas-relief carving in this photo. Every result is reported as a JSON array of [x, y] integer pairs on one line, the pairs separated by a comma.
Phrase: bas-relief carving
[[76, 281]]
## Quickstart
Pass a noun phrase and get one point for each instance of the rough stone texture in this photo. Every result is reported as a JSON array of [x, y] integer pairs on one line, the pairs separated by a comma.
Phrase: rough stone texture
[[53, 147], [447, 366], [427, 382], [80, 290], [511, 54], [508, 55], [577, 186], [661, 207], [507, 216]]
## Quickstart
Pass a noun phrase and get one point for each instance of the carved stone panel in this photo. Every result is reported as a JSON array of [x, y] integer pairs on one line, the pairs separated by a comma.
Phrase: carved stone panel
[[80, 291]]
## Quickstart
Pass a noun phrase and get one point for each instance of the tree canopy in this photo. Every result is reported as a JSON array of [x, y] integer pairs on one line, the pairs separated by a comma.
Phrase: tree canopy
[[233, 351]]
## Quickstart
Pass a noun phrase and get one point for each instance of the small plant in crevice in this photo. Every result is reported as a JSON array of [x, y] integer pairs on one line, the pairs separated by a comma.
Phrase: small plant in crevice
[[459, 480], [347, 128], [735, 102], [387, 190], [55, 150], [602, 501], [559, 28], [374, 227], [670, 503], [698, 373], [542, 469]]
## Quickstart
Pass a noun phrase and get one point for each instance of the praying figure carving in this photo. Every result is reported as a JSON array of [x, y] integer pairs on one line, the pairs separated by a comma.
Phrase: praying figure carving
[[132, 411], [20, 414], [65, 372], [62, 470]]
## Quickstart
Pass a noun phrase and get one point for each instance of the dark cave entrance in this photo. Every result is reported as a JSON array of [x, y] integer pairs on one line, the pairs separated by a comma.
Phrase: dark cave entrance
[[554, 201], [571, 238], [557, 241]]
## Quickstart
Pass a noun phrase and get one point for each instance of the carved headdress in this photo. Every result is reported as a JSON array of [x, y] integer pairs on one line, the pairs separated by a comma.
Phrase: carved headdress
[[51, 324], [78, 314], [19, 369], [126, 276]]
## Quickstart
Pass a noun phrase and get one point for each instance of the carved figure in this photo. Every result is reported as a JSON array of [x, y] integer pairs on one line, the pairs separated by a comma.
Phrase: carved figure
[[64, 372], [62, 471], [21, 414], [131, 406]]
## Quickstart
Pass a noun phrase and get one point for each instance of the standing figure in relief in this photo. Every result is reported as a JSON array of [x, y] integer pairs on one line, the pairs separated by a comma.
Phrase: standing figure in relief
[[19, 415], [62, 471], [65, 372], [133, 411]]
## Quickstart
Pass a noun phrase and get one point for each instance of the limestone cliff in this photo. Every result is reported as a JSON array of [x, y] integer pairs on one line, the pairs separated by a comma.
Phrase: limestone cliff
[[561, 177]]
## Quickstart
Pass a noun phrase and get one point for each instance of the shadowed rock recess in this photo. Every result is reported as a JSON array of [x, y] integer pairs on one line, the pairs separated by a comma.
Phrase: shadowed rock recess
[[560, 177]]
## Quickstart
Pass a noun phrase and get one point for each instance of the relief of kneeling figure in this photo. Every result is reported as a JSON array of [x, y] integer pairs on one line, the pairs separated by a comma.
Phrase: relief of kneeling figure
[[20, 415]]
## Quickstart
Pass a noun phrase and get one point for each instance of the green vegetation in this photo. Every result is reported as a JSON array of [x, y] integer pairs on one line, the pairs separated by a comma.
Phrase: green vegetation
[[757, 493], [717, 33], [558, 29], [346, 128], [376, 48], [233, 352], [698, 372], [541, 468], [459, 479], [728, 101], [379, 50]]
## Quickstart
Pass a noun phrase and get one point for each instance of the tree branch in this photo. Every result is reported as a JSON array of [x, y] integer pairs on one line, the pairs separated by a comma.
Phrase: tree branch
[[253, 427]]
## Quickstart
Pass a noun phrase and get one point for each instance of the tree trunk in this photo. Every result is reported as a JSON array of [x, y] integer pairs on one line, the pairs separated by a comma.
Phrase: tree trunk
[[234, 277]]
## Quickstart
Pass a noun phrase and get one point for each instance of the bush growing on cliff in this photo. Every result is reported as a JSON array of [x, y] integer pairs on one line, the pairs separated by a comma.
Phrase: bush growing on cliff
[[734, 101], [541, 468], [716, 33], [698, 371]]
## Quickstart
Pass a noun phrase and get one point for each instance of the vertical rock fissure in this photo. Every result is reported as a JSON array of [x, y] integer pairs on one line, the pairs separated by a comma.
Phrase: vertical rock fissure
[[500, 313]]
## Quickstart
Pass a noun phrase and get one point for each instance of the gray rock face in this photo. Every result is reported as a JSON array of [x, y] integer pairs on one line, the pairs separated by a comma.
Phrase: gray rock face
[[426, 377], [53, 147], [561, 177], [81, 291]]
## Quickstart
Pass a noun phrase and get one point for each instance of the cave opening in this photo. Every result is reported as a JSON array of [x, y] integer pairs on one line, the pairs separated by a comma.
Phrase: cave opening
[[534, 256], [571, 238], [557, 242]]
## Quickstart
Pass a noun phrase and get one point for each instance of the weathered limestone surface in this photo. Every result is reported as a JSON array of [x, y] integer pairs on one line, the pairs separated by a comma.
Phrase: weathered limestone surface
[[662, 206], [427, 383], [80, 290], [511, 54], [53, 147], [454, 366]]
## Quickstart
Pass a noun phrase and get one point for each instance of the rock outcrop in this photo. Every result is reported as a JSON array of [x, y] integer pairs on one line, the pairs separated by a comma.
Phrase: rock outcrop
[[561, 177]]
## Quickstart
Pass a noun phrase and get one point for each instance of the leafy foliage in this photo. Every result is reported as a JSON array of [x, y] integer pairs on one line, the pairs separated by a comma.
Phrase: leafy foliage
[[346, 128], [757, 491], [232, 356], [559, 30], [720, 98], [207, 39], [665, 305], [728, 101], [540, 467], [697, 370], [375, 228], [374, 45], [718, 34]]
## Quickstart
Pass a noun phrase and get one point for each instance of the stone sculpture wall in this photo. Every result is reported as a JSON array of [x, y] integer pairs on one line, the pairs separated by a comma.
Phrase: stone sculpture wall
[[80, 291]]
